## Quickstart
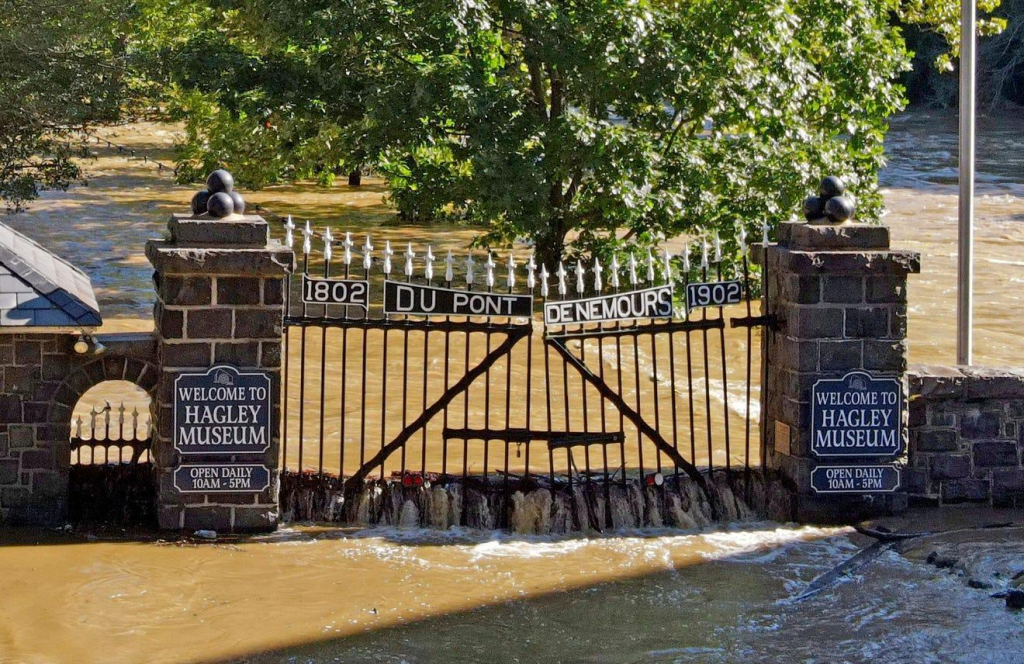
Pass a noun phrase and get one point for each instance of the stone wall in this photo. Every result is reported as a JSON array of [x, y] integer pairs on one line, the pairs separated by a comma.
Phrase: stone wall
[[966, 435], [41, 380]]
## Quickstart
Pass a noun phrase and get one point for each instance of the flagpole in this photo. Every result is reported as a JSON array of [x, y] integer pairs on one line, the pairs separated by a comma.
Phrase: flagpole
[[965, 250]]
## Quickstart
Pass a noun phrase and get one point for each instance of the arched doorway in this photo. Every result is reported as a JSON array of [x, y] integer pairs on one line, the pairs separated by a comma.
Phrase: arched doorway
[[107, 448]]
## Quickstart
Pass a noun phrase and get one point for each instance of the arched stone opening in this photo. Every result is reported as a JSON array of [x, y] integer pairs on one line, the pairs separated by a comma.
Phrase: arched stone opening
[[103, 450]]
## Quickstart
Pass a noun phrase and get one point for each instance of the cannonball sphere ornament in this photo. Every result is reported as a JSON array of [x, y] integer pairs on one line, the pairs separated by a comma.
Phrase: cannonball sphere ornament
[[814, 208], [239, 202], [220, 181], [220, 205], [839, 209], [199, 202], [830, 187]]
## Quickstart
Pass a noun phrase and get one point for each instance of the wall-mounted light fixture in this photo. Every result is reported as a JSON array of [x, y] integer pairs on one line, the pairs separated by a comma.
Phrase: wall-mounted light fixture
[[87, 344]]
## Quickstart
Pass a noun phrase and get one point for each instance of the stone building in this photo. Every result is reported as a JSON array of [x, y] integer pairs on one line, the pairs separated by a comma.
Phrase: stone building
[[46, 306]]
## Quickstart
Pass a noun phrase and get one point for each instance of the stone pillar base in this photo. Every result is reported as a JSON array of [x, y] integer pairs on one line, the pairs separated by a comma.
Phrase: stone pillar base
[[836, 301], [220, 304]]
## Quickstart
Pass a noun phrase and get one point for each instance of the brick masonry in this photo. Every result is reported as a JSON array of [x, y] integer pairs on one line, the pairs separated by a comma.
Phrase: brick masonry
[[836, 299], [41, 380], [966, 435], [219, 287]]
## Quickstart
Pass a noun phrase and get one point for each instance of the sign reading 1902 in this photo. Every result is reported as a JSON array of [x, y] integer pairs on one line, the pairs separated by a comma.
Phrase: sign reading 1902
[[716, 294], [349, 292]]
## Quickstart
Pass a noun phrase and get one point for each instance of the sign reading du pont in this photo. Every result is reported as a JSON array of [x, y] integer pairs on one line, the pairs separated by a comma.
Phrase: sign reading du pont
[[222, 411], [856, 415]]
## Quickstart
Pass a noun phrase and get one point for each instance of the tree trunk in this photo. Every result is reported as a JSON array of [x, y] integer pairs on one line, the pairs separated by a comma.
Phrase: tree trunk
[[355, 178], [548, 246]]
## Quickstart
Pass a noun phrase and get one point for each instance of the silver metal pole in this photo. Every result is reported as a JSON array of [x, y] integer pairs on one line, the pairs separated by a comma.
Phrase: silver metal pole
[[965, 251]]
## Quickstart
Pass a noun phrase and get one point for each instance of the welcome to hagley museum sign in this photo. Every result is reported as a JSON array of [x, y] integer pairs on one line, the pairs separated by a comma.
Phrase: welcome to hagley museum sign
[[857, 415], [222, 411]]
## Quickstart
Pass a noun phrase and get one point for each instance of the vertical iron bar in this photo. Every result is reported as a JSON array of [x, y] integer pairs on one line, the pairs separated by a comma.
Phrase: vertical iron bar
[[725, 380]]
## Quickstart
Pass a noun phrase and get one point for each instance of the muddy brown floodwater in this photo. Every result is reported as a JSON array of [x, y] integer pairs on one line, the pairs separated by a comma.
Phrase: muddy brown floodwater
[[310, 594]]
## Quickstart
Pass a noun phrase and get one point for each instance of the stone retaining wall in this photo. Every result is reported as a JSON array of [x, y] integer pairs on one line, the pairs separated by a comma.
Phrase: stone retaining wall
[[966, 435]]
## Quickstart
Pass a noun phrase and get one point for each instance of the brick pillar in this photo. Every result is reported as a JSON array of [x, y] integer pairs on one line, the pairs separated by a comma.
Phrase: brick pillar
[[836, 300], [220, 285]]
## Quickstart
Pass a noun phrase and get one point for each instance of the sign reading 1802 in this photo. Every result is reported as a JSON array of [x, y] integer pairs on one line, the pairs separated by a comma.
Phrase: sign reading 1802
[[716, 294], [350, 292]]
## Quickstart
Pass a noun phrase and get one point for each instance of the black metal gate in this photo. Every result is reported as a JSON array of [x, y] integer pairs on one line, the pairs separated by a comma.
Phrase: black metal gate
[[418, 368]]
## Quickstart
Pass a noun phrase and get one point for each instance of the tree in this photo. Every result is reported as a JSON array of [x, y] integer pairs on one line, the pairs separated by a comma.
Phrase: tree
[[577, 125], [594, 123], [61, 69]]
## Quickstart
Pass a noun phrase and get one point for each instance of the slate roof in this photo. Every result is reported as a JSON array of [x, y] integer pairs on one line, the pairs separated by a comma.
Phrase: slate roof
[[39, 289]]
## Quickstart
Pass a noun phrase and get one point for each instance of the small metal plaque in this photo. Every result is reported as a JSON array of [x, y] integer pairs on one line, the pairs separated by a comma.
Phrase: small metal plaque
[[782, 437], [419, 300], [221, 478], [857, 415], [644, 303], [714, 294], [222, 411], [855, 479], [348, 292]]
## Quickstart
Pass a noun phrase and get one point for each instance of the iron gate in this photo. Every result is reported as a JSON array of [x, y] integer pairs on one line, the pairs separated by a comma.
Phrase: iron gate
[[578, 374]]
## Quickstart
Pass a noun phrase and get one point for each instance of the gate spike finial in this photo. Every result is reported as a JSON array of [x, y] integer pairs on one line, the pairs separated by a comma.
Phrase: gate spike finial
[[428, 270], [289, 233], [615, 272], [686, 258], [650, 267], [307, 238], [764, 233], [489, 270], [668, 266], [531, 278], [580, 274], [367, 258], [347, 244], [742, 236], [388, 253], [632, 270], [511, 280], [596, 268], [78, 427], [328, 244], [560, 273], [469, 269], [449, 261], [409, 255], [544, 281], [704, 254], [718, 248]]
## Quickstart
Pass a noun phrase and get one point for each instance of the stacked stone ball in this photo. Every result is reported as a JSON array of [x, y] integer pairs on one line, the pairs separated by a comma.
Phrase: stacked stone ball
[[219, 198], [831, 202]]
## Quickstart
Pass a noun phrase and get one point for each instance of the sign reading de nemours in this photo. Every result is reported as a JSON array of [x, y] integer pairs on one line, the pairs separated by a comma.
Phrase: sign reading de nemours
[[222, 411], [856, 415], [855, 479], [219, 478], [644, 303], [418, 300]]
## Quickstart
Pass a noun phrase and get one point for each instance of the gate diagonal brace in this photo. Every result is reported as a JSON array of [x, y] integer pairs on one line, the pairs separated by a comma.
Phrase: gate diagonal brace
[[638, 421], [514, 336]]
